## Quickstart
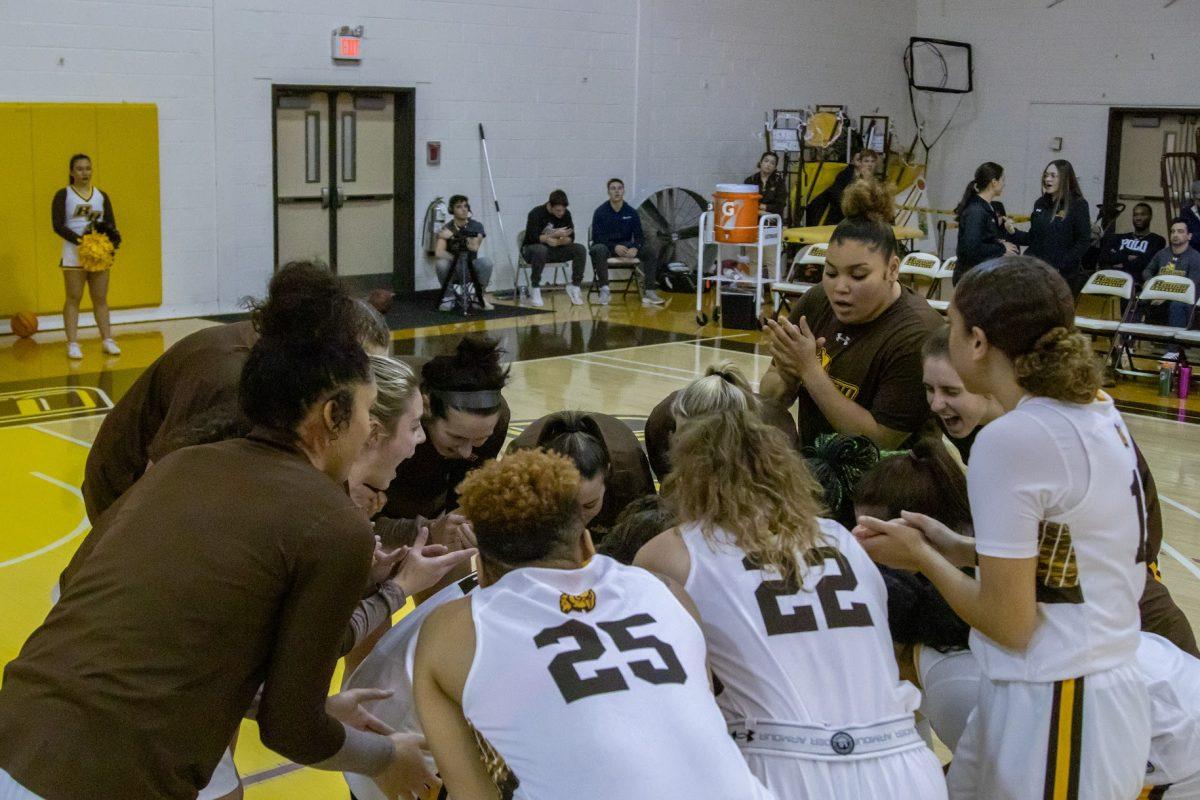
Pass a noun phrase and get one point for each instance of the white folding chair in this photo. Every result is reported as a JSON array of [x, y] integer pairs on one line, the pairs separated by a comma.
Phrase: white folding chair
[[1190, 338], [789, 287], [1112, 285], [634, 265], [920, 265], [945, 273], [1171, 288], [558, 269]]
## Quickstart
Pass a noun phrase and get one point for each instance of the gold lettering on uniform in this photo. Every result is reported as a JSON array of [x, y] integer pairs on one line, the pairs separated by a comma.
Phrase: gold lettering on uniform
[[83, 210], [1057, 570], [577, 602]]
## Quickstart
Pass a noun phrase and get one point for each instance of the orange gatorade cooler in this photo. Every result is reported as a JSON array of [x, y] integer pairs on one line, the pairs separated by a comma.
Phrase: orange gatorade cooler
[[735, 209]]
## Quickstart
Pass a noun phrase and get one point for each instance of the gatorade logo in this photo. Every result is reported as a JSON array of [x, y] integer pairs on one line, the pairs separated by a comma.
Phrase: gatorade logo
[[729, 212]]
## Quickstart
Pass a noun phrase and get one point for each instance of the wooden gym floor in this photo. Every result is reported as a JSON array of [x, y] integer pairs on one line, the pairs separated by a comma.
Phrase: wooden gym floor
[[620, 360]]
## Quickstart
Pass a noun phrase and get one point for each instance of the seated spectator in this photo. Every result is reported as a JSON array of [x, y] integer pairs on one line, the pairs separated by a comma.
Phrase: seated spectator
[[724, 387], [550, 238], [1176, 259], [617, 233], [1190, 214], [627, 472], [862, 167], [979, 214], [771, 184], [461, 234], [1131, 252], [851, 354]]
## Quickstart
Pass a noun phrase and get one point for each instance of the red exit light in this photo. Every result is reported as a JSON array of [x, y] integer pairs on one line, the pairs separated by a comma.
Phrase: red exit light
[[347, 43]]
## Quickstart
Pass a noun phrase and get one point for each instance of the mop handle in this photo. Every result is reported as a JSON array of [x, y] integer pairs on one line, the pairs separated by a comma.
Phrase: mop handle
[[499, 219]]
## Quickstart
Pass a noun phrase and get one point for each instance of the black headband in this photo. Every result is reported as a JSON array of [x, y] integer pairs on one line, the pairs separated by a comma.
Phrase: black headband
[[469, 401]]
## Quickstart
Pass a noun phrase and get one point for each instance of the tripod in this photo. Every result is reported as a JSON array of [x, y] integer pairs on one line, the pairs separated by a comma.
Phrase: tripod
[[462, 272]]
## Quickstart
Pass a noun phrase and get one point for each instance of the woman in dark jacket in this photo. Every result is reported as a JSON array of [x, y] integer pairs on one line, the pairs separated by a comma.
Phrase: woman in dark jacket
[[771, 184], [980, 235], [1059, 230]]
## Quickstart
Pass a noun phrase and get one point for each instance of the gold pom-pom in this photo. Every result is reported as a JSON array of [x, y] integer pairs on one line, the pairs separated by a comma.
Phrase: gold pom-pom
[[95, 252]]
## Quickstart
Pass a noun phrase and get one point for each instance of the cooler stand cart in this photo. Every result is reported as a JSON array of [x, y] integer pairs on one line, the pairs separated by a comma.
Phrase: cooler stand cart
[[768, 233]]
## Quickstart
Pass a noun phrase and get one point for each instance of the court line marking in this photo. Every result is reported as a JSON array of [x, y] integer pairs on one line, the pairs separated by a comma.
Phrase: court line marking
[[689, 372], [79, 528], [38, 427], [660, 375], [1171, 551], [632, 347], [1137, 415]]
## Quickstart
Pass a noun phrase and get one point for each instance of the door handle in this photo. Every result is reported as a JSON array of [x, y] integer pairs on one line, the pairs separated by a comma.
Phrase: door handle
[[341, 197], [324, 197]]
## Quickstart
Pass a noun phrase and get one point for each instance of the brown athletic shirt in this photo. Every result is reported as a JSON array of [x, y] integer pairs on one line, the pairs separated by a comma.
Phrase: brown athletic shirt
[[426, 484], [227, 567], [629, 477], [876, 364], [198, 372], [660, 425]]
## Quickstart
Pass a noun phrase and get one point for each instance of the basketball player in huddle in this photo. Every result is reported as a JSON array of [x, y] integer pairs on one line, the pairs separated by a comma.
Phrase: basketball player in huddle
[[795, 615], [74, 209], [573, 675], [1060, 530]]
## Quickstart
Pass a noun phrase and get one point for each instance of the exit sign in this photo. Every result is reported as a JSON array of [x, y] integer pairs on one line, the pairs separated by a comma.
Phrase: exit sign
[[347, 43]]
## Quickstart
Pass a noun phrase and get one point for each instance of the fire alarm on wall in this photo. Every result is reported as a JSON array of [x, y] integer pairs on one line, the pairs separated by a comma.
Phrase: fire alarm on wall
[[347, 43], [433, 153]]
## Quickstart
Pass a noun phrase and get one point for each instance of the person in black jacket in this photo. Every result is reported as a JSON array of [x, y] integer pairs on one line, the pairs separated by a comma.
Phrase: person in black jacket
[[862, 167], [1059, 230], [771, 184], [980, 234]]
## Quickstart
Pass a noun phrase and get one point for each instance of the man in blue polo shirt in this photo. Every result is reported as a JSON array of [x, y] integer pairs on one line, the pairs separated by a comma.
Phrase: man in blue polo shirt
[[617, 232]]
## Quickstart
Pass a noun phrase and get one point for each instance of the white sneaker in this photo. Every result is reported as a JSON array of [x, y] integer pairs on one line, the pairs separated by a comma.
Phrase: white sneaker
[[110, 346], [447, 304], [605, 296], [575, 294], [535, 297], [74, 351], [651, 298]]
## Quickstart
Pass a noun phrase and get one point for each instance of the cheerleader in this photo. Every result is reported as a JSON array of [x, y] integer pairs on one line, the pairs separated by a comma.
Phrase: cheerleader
[[77, 207]]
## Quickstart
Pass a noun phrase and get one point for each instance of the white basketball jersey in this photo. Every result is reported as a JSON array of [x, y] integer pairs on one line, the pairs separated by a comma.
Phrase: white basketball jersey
[[818, 654], [1173, 682], [591, 684], [390, 666], [1089, 578], [80, 213]]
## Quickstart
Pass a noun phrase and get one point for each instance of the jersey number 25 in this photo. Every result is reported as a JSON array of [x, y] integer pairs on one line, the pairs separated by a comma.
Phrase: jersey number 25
[[575, 687]]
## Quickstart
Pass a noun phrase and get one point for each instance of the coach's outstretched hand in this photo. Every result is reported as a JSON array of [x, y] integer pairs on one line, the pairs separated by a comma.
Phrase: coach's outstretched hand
[[408, 775], [426, 564], [347, 707]]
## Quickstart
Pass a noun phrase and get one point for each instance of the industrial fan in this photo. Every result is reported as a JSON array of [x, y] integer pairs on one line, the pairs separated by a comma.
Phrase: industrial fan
[[671, 223]]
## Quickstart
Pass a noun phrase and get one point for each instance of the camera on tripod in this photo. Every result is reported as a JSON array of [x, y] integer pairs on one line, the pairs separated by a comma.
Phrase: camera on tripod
[[457, 243]]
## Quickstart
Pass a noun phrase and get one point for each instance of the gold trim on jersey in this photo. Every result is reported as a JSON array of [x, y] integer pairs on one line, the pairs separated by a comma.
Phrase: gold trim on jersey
[[1057, 570], [1066, 729], [497, 768]]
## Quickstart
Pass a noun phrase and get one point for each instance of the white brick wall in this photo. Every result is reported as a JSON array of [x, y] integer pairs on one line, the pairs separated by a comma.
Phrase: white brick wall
[[1042, 73], [571, 93]]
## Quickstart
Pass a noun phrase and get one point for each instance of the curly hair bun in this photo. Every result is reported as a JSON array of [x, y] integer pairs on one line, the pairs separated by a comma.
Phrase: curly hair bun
[[869, 199], [1060, 366]]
